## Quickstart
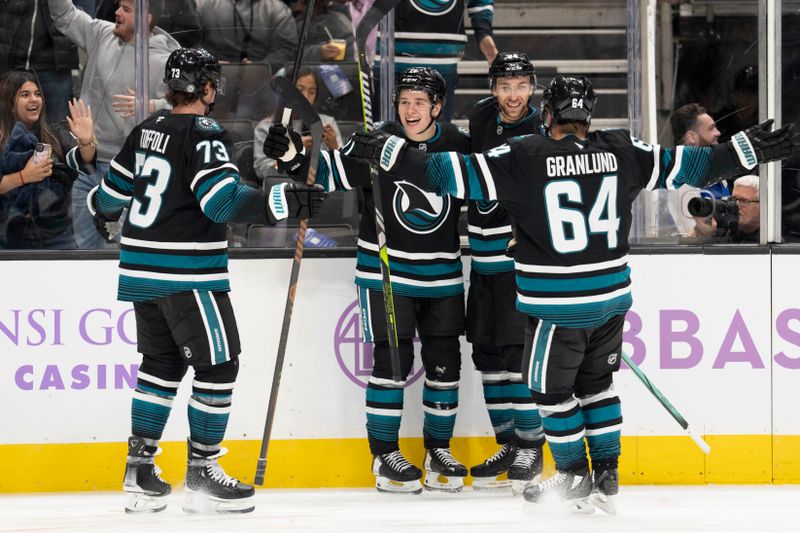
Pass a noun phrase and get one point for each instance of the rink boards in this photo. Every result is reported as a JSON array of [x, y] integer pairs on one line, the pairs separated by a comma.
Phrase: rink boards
[[719, 334]]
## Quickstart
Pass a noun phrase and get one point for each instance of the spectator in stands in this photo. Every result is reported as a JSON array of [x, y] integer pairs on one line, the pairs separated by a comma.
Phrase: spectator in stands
[[692, 125], [107, 80], [30, 41], [247, 31], [308, 82], [745, 191], [743, 112], [34, 191], [178, 18], [431, 34], [331, 20]]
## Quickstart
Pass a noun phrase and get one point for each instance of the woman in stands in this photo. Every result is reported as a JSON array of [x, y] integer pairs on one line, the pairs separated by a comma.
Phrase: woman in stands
[[35, 184], [308, 83]]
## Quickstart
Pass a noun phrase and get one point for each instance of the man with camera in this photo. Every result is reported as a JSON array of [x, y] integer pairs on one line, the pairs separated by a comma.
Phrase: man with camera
[[745, 193]]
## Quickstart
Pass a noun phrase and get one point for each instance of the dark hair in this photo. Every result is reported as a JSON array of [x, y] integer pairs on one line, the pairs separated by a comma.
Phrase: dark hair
[[180, 98], [10, 84], [684, 118]]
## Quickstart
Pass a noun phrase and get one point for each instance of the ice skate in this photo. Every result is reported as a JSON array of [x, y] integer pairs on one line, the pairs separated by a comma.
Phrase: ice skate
[[485, 475], [145, 491], [526, 470], [394, 473], [606, 486], [442, 471], [571, 487], [210, 490]]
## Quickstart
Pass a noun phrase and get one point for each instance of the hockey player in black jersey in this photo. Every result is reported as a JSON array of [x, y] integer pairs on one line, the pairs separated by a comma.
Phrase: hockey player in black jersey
[[175, 176], [570, 195], [494, 326], [426, 276]]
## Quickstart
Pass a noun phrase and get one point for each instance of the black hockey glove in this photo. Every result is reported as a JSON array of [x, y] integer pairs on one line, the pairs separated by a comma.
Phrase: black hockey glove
[[295, 200], [285, 146], [378, 147], [107, 226], [759, 144], [304, 201]]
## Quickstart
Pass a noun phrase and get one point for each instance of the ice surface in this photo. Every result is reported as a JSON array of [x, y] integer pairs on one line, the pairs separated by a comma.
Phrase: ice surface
[[640, 509]]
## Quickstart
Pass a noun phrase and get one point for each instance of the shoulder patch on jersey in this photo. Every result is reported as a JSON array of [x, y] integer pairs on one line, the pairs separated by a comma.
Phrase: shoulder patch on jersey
[[207, 124], [464, 131]]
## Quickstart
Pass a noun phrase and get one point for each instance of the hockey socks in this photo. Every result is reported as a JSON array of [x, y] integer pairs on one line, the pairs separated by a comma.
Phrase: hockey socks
[[527, 420], [564, 429], [440, 405], [497, 394], [151, 405], [209, 410], [384, 413], [602, 414]]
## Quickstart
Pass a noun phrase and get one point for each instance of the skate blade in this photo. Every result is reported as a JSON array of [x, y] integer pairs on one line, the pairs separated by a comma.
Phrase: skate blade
[[199, 503], [604, 502], [490, 483], [439, 483], [551, 503], [137, 502], [387, 485], [518, 485]]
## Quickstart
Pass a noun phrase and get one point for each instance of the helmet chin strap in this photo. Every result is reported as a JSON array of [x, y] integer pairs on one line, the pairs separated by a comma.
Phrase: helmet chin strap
[[209, 106]]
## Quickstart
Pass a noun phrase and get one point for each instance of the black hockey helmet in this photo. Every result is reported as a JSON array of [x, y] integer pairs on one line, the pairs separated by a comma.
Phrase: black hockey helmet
[[511, 65], [569, 99], [421, 79], [188, 69]]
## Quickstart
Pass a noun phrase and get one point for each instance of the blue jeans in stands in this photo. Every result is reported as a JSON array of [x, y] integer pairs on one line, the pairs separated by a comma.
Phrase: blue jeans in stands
[[57, 89], [86, 236]]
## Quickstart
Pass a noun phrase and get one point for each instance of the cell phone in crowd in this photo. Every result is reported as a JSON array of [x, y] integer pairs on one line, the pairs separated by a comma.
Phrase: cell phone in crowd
[[41, 153]]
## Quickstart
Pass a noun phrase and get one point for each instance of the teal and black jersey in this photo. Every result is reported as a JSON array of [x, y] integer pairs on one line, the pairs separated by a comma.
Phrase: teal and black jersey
[[430, 33], [571, 204], [488, 224], [175, 176], [421, 227]]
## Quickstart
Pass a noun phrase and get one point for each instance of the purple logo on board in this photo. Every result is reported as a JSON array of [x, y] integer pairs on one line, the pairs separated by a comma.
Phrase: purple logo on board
[[353, 354]]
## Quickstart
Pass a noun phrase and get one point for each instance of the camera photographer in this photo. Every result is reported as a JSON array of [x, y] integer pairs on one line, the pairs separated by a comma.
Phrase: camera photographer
[[734, 218]]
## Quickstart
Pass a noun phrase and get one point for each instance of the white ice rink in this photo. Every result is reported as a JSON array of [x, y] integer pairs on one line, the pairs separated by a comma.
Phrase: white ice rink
[[640, 509]]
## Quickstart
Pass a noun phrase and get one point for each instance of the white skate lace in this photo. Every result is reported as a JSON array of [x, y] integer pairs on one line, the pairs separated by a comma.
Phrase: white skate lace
[[525, 457], [157, 472], [554, 482], [396, 461], [216, 473], [445, 456], [502, 452]]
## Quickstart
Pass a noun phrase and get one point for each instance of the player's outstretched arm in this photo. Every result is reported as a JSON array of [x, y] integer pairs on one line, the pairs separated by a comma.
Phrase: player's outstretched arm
[[702, 166]]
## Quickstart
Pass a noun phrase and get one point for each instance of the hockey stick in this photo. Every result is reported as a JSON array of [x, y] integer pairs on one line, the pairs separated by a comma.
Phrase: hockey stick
[[703, 445], [373, 15], [294, 100]]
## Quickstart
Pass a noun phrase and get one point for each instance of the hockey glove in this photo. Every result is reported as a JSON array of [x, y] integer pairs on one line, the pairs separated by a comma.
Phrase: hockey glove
[[378, 147], [285, 146], [107, 226], [759, 144], [295, 200]]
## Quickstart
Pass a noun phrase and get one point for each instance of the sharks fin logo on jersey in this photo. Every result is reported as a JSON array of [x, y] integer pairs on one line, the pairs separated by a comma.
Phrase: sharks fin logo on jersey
[[433, 7], [486, 206], [207, 124], [419, 211]]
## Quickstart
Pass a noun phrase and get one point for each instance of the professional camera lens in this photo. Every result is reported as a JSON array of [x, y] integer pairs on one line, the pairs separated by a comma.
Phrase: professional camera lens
[[701, 207]]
